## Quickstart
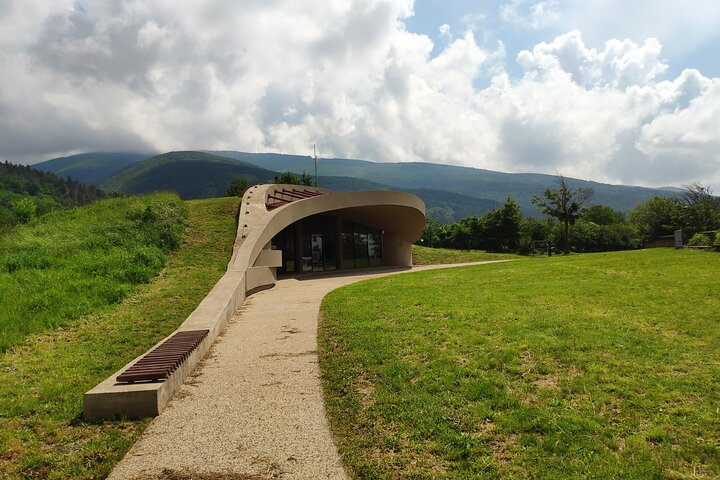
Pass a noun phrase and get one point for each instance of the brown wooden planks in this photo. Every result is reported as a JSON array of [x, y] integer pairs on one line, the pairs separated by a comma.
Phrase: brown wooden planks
[[164, 359]]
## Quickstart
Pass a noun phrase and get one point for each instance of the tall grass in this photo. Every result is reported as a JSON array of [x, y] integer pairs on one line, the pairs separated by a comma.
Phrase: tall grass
[[70, 263], [42, 379]]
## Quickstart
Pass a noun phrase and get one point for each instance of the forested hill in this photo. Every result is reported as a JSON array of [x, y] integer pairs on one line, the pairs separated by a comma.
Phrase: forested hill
[[473, 182], [93, 167], [45, 190], [449, 192]]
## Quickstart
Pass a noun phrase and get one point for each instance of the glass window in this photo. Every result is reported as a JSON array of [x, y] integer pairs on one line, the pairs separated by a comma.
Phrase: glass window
[[307, 264], [374, 247], [361, 246], [317, 243], [329, 242], [317, 252], [285, 242], [348, 246]]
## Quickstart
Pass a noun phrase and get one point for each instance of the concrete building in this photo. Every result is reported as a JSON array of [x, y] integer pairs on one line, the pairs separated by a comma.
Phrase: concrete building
[[295, 229], [282, 229]]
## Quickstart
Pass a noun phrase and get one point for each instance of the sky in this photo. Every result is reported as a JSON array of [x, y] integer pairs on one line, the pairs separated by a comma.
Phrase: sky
[[607, 90]]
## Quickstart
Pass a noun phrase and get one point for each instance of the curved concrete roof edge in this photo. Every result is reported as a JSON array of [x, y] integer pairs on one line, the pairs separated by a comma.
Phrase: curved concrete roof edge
[[257, 226]]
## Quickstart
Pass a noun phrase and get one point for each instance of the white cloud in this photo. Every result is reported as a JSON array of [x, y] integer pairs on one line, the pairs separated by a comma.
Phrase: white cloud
[[473, 21], [681, 26], [445, 31], [692, 132], [347, 75], [531, 15], [619, 64]]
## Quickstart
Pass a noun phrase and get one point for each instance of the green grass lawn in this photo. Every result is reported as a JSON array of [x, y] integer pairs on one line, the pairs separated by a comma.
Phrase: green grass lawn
[[586, 366], [70, 263], [440, 256], [43, 377]]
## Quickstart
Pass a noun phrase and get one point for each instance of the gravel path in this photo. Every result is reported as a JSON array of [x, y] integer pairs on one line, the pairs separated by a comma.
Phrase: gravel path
[[253, 408]]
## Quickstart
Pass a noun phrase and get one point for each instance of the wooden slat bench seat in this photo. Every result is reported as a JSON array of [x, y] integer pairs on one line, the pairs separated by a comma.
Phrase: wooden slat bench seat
[[164, 359]]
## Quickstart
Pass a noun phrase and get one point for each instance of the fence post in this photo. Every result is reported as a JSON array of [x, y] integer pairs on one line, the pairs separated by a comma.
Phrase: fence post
[[678, 239]]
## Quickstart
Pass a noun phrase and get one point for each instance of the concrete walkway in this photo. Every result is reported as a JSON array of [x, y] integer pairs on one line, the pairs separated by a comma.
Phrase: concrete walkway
[[253, 408]]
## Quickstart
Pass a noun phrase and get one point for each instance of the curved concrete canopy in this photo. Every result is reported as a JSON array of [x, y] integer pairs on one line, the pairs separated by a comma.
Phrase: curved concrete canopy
[[401, 216]]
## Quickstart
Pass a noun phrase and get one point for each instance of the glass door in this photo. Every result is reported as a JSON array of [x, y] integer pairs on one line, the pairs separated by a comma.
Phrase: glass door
[[317, 252]]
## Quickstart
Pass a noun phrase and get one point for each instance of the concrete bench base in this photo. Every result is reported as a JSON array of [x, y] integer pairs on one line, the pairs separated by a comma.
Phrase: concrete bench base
[[110, 399]]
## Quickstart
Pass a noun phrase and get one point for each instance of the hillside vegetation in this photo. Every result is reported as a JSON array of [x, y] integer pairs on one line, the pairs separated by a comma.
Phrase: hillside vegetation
[[26, 192], [71, 263], [202, 175], [191, 174], [91, 168], [586, 366], [43, 378], [473, 182], [449, 192]]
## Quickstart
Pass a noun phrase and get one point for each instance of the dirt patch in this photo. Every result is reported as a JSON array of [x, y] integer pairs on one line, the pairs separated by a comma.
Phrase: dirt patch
[[502, 448], [290, 355], [172, 474], [181, 394], [484, 429], [365, 392], [548, 381]]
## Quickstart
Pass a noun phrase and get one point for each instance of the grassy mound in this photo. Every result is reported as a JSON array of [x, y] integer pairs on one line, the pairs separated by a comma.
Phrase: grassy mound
[[588, 366], [43, 379], [441, 256], [73, 262]]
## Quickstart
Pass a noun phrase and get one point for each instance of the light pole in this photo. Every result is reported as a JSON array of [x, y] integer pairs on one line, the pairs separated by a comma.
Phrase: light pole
[[315, 157]]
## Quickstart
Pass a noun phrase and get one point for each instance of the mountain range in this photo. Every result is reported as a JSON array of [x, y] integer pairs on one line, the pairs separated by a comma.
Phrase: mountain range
[[449, 192]]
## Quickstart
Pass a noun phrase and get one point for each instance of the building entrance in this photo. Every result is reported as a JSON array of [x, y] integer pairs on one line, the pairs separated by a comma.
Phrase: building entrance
[[326, 242]]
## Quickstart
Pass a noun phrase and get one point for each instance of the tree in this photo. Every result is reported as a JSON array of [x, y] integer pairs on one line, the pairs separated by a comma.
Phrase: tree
[[531, 230], [700, 209], [306, 179], [290, 178], [698, 193], [602, 215], [502, 227], [564, 203], [237, 187], [656, 217], [431, 233], [463, 233]]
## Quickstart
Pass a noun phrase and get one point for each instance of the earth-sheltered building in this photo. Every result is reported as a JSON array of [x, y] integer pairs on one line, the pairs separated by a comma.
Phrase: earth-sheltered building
[[282, 230]]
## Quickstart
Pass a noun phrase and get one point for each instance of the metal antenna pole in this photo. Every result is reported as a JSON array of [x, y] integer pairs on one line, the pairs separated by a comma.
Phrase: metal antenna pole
[[315, 157]]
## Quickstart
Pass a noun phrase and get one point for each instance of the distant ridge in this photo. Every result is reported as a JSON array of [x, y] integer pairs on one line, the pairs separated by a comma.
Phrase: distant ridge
[[190, 174], [91, 168], [449, 192], [473, 182]]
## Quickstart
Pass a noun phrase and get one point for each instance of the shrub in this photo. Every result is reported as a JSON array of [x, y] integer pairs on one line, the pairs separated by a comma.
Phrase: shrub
[[526, 245], [699, 240], [24, 209], [237, 187]]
